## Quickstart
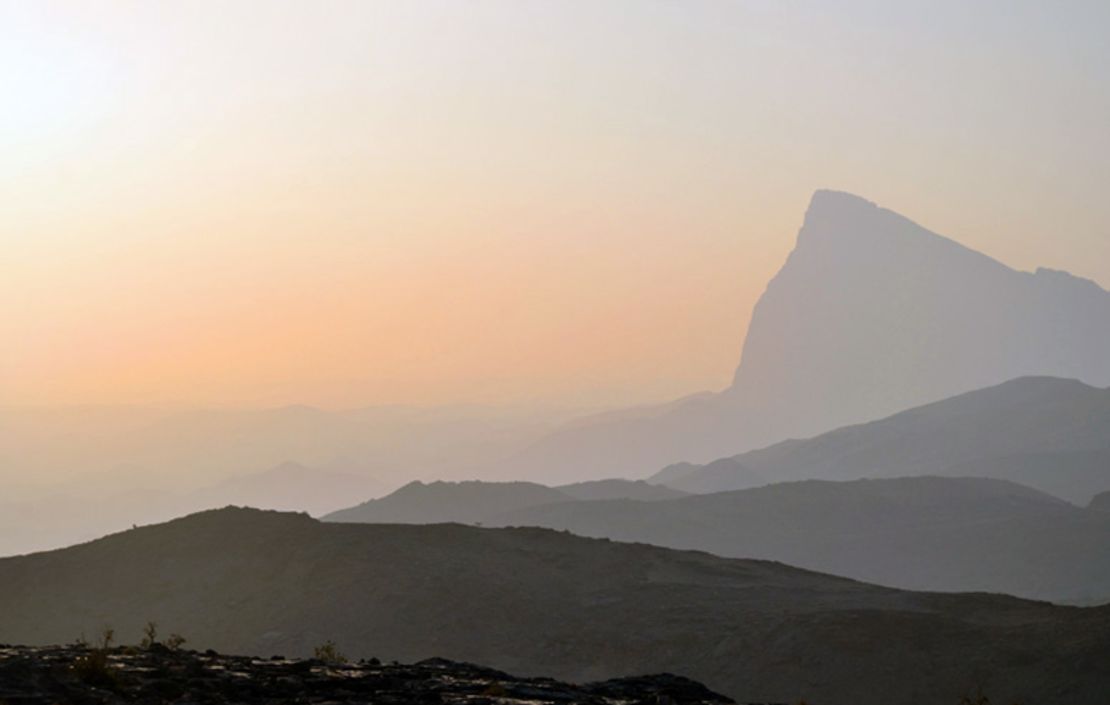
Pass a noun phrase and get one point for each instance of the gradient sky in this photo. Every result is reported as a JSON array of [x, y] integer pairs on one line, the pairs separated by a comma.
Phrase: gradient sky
[[577, 202]]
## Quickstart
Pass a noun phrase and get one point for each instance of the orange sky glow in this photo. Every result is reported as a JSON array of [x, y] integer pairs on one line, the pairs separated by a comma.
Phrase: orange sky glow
[[345, 204]]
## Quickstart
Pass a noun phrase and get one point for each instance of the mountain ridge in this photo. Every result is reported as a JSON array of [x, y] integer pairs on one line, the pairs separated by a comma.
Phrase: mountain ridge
[[472, 501], [923, 533], [1046, 432]]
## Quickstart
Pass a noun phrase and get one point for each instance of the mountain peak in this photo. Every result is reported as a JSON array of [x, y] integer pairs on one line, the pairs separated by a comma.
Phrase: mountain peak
[[870, 315], [827, 204], [873, 313], [841, 225]]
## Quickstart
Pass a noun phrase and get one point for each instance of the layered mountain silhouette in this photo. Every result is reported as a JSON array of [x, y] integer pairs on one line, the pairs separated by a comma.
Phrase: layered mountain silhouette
[[924, 533], [71, 474], [537, 601], [85, 448], [474, 501], [870, 315], [1051, 434], [63, 518]]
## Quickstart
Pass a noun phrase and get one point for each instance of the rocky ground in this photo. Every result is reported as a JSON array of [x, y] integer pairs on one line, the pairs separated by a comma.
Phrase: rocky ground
[[82, 675]]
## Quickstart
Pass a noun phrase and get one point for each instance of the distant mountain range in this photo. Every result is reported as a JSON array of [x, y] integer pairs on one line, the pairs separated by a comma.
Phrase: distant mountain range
[[537, 601], [924, 533], [949, 532], [55, 519], [287, 487], [870, 315], [1050, 434], [476, 501], [154, 448]]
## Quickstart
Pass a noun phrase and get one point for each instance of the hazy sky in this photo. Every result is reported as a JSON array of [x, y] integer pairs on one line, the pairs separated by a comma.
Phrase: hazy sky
[[349, 203]]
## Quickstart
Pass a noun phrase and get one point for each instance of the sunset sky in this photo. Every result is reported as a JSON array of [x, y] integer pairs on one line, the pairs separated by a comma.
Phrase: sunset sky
[[342, 204]]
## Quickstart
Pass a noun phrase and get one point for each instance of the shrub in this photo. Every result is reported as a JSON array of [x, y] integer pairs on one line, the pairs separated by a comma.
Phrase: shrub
[[150, 635], [329, 653], [174, 642], [495, 690], [93, 667]]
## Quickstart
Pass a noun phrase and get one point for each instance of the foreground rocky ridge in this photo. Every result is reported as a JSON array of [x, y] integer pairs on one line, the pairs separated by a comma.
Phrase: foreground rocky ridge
[[57, 674]]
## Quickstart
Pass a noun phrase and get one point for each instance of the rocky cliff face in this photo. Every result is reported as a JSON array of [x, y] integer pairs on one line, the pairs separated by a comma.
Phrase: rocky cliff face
[[872, 314]]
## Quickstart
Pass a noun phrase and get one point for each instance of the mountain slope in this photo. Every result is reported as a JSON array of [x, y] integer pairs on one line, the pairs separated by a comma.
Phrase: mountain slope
[[619, 489], [725, 473], [870, 315], [474, 501], [1100, 503], [1052, 434], [926, 533], [536, 601]]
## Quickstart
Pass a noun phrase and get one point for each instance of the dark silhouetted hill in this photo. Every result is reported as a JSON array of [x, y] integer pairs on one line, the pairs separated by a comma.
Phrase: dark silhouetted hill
[[535, 601], [1051, 434]]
